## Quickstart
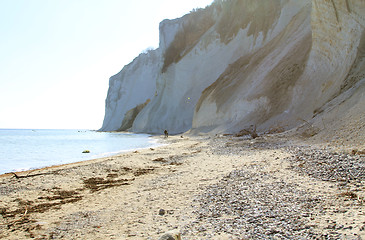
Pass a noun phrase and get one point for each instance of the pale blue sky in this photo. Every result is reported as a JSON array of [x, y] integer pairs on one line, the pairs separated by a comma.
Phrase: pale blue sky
[[56, 56]]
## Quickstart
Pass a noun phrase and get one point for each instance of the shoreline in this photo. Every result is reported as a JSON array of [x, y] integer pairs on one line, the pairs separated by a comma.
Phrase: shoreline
[[155, 144], [206, 187]]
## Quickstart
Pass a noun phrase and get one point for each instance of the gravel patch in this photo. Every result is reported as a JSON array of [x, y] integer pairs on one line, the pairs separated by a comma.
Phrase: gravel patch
[[327, 165], [253, 203], [247, 205]]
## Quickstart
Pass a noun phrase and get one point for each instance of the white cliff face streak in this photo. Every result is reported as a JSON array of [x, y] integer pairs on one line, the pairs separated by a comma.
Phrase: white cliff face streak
[[132, 86], [239, 63]]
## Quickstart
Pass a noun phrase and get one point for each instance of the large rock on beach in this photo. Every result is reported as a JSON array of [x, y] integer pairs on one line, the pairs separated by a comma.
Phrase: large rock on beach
[[171, 235]]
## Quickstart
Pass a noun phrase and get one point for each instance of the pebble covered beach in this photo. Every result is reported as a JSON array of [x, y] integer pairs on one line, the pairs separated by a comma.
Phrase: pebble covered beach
[[219, 187]]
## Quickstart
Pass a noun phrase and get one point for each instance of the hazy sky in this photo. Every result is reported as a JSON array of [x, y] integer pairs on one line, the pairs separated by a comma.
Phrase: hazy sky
[[56, 56]]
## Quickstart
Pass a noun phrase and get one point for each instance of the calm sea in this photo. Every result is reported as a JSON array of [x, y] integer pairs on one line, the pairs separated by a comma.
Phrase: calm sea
[[29, 149]]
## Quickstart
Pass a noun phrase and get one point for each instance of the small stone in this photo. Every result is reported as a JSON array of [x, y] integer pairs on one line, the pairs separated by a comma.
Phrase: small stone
[[171, 235], [202, 229], [161, 212]]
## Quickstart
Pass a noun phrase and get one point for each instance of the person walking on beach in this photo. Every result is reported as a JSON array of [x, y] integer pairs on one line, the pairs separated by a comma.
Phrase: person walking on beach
[[166, 133]]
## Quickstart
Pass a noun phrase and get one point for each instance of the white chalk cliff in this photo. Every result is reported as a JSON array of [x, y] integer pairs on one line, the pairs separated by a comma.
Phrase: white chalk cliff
[[239, 63]]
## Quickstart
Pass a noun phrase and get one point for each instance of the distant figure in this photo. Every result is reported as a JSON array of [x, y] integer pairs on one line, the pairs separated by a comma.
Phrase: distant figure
[[166, 133]]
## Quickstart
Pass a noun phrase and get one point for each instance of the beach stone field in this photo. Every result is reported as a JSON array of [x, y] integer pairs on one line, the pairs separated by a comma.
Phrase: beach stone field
[[258, 203]]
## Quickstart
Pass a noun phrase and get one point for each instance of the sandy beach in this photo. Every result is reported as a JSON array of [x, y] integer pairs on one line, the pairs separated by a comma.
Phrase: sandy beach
[[207, 187]]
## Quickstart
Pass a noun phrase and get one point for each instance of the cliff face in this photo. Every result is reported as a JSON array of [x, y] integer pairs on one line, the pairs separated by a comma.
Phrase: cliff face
[[131, 87], [287, 80], [238, 63]]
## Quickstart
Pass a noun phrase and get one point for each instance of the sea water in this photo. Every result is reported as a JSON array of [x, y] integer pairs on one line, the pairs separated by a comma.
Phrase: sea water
[[24, 149]]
